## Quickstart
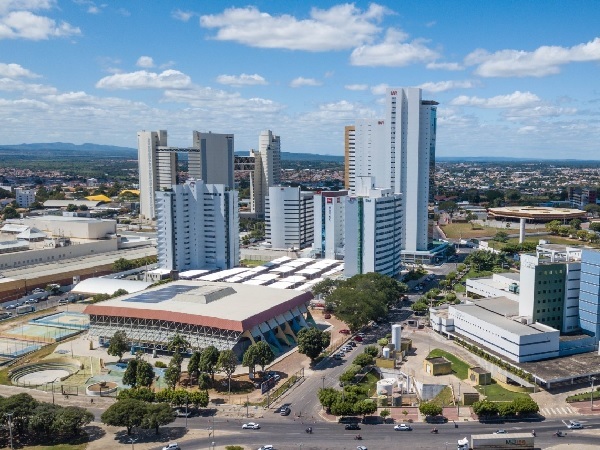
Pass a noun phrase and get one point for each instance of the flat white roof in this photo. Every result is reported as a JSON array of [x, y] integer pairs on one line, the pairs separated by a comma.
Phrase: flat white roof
[[221, 275], [281, 285], [295, 279], [192, 273], [109, 286], [255, 282], [266, 277]]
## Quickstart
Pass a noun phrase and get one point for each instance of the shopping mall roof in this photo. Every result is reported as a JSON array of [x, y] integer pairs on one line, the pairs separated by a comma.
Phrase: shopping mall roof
[[101, 285], [536, 213], [236, 307]]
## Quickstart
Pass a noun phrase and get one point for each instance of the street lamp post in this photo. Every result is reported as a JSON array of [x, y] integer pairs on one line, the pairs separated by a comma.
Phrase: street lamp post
[[10, 429], [132, 440], [213, 445], [592, 395], [186, 411]]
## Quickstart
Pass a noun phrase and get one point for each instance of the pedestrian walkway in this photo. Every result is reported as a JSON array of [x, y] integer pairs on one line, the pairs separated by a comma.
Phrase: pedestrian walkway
[[558, 411]]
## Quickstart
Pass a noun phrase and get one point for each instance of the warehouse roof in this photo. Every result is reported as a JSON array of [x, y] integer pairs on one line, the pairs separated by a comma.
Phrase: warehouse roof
[[109, 286]]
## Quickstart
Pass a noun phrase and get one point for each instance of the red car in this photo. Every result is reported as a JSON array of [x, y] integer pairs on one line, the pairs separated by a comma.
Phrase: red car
[[345, 331], [358, 338], [327, 316]]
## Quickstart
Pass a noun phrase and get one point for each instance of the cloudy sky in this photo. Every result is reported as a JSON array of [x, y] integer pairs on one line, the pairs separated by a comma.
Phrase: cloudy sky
[[513, 78]]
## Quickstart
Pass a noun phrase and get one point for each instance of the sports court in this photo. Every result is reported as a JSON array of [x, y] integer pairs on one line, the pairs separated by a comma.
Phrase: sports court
[[39, 333], [65, 319], [13, 348]]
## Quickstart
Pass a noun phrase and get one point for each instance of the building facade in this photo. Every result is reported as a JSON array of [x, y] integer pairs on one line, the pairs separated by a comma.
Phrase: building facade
[[349, 149], [329, 209], [373, 230], [589, 293], [267, 170], [289, 215], [198, 227], [25, 197], [399, 152]]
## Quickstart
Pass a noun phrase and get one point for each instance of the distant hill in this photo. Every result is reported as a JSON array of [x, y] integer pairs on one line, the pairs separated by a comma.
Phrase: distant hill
[[504, 159], [70, 147], [287, 156]]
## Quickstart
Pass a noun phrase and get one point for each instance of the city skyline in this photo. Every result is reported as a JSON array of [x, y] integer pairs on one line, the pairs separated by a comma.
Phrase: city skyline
[[512, 79]]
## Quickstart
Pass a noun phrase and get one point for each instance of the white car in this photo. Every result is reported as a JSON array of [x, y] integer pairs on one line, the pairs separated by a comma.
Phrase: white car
[[267, 447], [172, 446], [573, 425], [500, 432], [402, 427], [251, 426]]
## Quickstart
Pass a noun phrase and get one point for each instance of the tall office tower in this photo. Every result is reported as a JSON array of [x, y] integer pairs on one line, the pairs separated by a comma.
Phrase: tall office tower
[[349, 149], [329, 224], [148, 143], [589, 293], [289, 215], [399, 152], [373, 230], [198, 227], [267, 170], [213, 164]]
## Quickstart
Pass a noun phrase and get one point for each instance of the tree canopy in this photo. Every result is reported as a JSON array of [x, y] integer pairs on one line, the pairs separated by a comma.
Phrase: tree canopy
[[118, 344], [258, 354], [312, 341]]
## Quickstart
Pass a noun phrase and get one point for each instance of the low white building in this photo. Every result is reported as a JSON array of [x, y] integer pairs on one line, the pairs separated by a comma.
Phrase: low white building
[[70, 227], [373, 236], [289, 215], [25, 197], [498, 285]]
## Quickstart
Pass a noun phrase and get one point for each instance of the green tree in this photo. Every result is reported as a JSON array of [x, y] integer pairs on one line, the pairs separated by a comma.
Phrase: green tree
[[199, 399], [371, 350], [525, 406], [119, 292], [118, 344], [363, 360], [227, 363], [42, 419], [20, 405], [141, 393], [172, 375], [382, 343], [364, 407], [430, 409], [512, 195], [72, 419], [144, 374], [178, 344], [157, 414], [194, 365], [485, 408], [501, 236], [348, 376], [494, 194], [327, 397], [595, 226], [71, 207], [325, 287], [575, 223], [258, 354], [448, 206], [204, 381], [385, 413], [342, 408], [10, 212], [506, 409], [130, 375], [312, 341], [208, 360], [126, 413], [553, 226], [122, 264], [419, 307]]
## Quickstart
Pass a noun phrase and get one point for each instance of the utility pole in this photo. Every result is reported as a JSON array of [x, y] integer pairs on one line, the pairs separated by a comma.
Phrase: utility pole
[[186, 411], [458, 402], [592, 395], [10, 429]]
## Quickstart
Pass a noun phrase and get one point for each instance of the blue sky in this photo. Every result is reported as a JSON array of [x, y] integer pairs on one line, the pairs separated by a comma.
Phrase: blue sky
[[513, 78]]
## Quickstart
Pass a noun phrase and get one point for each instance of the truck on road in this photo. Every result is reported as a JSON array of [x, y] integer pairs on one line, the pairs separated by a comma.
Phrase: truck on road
[[25, 309], [497, 441]]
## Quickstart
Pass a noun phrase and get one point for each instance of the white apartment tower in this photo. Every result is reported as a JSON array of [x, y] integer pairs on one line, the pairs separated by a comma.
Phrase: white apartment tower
[[211, 160], [25, 197], [289, 218], [399, 152], [373, 230], [198, 227], [267, 170], [329, 231]]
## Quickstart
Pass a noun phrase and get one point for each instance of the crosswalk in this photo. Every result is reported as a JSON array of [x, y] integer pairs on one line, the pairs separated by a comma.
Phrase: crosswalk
[[557, 411]]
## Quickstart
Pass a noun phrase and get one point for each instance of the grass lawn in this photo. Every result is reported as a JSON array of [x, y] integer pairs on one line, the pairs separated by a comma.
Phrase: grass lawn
[[496, 393], [370, 381], [251, 263], [466, 231], [459, 367], [444, 398], [583, 397]]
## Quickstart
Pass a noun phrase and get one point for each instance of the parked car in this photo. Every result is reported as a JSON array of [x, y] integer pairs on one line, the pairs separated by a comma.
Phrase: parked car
[[286, 411], [344, 331], [38, 290], [402, 427], [251, 426], [267, 447], [358, 338], [352, 343], [183, 413], [352, 426], [337, 357], [327, 316], [500, 431], [361, 447]]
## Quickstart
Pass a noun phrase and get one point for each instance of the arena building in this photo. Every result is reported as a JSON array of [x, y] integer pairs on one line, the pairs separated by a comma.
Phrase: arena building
[[228, 316], [535, 213]]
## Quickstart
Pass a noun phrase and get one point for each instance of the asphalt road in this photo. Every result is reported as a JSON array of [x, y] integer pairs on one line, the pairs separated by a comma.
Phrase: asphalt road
[[286, 434]]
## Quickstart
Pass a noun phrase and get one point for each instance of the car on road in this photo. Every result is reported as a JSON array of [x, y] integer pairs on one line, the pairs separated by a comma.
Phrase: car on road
[[344, 331], [38, 290], [251, 426], [172, 446], [13, 306], [352, 426], [574, 425], [402, 427], [286, 411], [337, 357], [267, 447], [361, 447], [182, 413], [500, 431]]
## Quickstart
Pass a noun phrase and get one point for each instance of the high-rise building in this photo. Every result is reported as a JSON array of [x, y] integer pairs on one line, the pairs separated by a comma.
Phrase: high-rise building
[[211, 159], [329, 209], [198, 227], [589, 293], [399, 152], [373, 230], [289, 215], [25, 197], [349, 149], [267, 170]]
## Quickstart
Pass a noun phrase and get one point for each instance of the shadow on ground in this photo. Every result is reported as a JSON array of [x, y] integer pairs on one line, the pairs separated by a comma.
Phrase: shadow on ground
[[166, 434]]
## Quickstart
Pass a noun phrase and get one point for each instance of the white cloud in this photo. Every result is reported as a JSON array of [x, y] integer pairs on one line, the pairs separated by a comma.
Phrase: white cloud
[[222, 103], [442, 86], [379, 89], [184, 16], [540, 111], [10, 85], [16, 71], [517, 99], [241, 80], [29, 5], [393, 52], [93, 10], [444, 66], [145, 62], [26, 25], [301, 81], [545, 60], [356, 87], [341, 27], [169, 79]]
